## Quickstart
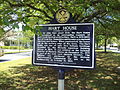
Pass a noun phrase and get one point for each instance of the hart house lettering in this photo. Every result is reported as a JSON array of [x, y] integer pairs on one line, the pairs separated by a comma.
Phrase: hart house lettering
[[63, 28]]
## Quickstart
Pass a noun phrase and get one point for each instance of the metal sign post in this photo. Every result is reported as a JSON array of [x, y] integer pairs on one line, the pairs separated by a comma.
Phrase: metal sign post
[[61, 75]]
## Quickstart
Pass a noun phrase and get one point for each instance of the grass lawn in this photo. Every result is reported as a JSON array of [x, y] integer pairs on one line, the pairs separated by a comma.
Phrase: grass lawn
[[104, 77], [101, 50]]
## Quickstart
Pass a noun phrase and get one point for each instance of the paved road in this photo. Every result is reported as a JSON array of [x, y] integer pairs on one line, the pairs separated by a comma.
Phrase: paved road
[[15, 56], [116, 51], [113, 49]]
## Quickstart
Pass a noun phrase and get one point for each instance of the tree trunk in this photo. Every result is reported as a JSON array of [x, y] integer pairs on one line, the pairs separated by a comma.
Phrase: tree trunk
[[105, 45]]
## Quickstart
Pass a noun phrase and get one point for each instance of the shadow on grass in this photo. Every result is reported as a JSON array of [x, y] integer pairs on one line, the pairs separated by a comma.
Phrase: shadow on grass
[[29, 77]]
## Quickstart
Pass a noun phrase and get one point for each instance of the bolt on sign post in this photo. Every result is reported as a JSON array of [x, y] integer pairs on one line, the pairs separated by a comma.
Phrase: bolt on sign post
[[65, 45]]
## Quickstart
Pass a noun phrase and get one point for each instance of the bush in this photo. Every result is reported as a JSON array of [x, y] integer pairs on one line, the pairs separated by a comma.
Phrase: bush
[[11, 47]]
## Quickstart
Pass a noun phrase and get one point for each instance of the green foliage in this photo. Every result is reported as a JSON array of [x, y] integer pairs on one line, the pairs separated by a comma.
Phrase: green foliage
[[5, 21], [1, 32], [26, 38], [15, 26], [113, 40], [99, 40], [11, 47], [104, 13], [38, 12]]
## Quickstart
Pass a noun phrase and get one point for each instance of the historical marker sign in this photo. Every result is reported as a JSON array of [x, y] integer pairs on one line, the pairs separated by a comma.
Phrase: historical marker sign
[[65, 45]]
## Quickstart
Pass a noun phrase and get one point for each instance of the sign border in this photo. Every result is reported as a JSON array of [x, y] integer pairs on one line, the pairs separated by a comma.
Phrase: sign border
[[65, 66]]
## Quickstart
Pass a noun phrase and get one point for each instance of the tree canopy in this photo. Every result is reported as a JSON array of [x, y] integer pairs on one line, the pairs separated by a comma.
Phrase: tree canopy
[[32, 12], [104, 13]]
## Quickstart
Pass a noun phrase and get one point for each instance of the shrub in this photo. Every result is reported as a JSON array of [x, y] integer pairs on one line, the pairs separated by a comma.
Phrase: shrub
[[11, 47]]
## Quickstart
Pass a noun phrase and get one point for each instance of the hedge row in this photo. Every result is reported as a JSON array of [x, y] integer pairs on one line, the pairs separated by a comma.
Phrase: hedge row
[[12, 47]]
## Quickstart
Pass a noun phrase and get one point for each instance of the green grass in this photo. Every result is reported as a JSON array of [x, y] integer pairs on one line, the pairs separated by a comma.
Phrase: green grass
[[22, 74], [12, 47], [5, 66], [101, 50]]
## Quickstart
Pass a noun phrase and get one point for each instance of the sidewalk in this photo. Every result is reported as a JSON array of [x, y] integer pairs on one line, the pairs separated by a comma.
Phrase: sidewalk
[[15, 56]]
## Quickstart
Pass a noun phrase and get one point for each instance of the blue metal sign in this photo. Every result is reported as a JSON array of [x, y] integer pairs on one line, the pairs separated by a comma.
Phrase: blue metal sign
[[65, 45]]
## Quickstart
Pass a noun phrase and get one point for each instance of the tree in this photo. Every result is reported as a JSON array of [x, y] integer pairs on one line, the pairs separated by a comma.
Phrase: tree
[[108, 30], [104, 13], [31, 12], [99, 41], [27, 38], [4, 34]]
